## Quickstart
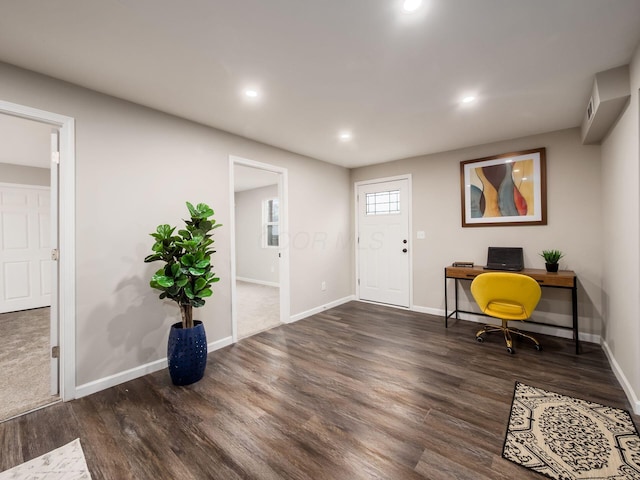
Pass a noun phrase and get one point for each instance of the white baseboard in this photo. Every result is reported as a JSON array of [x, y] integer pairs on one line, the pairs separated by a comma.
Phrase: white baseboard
[[133, 373], [258, 282], [321, 308], [626, 386], [430, 311], [532, 327]]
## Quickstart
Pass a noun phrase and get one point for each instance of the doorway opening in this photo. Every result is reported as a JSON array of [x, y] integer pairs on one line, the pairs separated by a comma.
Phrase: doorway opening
[[28, 210], [259, 257], [37, 276]]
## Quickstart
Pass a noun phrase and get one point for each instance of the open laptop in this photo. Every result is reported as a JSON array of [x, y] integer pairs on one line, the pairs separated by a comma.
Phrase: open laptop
[[505, 258]]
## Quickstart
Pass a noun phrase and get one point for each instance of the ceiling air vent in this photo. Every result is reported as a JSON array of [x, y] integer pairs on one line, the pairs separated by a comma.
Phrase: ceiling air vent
[[609, 96]]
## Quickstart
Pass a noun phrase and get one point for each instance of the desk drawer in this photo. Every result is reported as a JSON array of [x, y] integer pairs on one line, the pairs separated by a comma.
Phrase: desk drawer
[[554, 279], [463, 272]]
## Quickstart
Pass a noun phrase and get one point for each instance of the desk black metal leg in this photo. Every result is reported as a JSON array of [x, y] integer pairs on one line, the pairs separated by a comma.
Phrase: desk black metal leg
[[446, 313], [455, 282], [574, 308]]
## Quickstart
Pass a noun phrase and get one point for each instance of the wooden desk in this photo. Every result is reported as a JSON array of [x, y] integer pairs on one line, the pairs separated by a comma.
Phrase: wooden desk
[[563, 279]]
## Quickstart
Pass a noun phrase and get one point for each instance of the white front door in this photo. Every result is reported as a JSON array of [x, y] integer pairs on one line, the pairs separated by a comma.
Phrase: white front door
[[25, 247], [383, 242]]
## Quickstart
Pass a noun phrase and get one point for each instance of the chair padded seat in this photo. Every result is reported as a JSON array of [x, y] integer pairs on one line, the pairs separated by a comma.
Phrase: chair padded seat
[[506, 309]]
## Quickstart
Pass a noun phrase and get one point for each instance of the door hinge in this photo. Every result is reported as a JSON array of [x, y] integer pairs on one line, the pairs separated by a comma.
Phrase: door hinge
[[55, 254], [55, 352], [55, 157]]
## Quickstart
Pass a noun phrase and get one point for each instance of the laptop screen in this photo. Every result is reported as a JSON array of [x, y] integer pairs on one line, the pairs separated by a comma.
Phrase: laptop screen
[[505, 258]]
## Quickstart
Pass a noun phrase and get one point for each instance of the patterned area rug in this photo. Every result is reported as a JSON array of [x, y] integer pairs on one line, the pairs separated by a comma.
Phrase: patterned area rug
[[567, 438], [64, 463]]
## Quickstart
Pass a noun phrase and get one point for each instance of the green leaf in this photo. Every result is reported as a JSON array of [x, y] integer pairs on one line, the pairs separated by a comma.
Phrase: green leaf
[[196, 271], [162, 280], [203, 263], [197, 302], [175, 269], [165, 230], [199, 284], [204, 210], [205, 225], [189, 292], [207, 292], [152, 258], [182, 281], [187, 260], [173, 290]]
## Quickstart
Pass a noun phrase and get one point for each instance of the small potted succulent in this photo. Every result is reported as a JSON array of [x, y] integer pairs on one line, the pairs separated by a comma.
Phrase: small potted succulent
[[551, 259], [186, 278]]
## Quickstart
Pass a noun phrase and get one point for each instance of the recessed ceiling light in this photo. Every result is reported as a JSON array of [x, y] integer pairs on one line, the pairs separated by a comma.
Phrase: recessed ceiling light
[[468, 99], [345, 136], [411, 5], [251, 93]]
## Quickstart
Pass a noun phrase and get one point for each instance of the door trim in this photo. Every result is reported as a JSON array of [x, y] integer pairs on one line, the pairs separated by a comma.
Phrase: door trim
[[356, 186], [66, 245], [285, 315]]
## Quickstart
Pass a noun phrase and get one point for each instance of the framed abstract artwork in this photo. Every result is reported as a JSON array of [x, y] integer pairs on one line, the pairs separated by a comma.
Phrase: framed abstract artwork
[[506, 189]]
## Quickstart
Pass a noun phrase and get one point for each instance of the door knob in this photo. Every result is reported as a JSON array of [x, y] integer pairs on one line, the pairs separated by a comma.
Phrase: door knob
[[404, 250], [404, 241]]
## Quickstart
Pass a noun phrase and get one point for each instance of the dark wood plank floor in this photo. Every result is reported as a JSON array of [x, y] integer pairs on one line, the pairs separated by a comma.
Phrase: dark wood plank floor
[[357, 392]]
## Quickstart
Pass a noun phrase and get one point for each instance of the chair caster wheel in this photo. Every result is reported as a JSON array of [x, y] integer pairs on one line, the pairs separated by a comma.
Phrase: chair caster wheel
[[511, 350], [479, 339], [539, 347]]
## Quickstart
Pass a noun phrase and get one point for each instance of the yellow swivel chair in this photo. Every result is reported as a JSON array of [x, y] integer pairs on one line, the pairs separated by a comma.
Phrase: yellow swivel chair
[[506, 296]]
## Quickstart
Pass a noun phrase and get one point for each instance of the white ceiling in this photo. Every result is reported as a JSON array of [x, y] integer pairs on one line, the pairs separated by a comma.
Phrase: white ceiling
[[322, 66]]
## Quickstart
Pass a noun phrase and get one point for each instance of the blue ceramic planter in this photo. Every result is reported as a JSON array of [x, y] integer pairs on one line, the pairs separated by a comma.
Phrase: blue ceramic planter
[[187, 353]]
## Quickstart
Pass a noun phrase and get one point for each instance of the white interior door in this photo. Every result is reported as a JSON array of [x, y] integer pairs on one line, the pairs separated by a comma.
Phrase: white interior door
[[383, 242], [25, 264], [54, 321]]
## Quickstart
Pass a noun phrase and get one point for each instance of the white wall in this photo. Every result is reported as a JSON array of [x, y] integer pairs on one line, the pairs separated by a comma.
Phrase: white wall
[[621, 229], [574, 222], [253, 261], [135, 169]]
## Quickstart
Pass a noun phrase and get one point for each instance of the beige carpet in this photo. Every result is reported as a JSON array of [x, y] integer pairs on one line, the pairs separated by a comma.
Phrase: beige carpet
[[258, 308], [24, 362], [64, 463]]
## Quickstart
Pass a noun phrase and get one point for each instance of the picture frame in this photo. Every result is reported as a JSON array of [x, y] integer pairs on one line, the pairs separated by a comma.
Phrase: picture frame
[[504, 190]]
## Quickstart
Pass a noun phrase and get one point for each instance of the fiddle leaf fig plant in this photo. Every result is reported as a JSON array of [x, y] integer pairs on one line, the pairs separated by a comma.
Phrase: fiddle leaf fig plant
[[187, 275]]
